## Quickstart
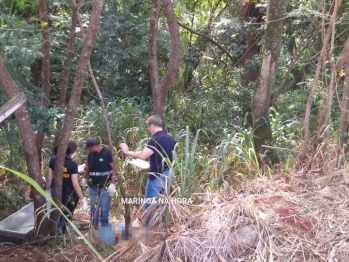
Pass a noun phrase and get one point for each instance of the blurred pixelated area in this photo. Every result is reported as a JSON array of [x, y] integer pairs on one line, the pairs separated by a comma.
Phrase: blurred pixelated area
[[117, 233]]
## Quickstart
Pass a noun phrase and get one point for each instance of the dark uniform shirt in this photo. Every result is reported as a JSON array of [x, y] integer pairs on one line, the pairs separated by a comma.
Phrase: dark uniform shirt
[[99, 168], [69, 197], [70, 167], [162, 144]]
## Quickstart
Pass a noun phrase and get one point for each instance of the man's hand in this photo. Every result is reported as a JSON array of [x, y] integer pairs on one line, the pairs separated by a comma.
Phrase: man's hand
[[124, 148], [84, 183], [111, 189], [84, 204]]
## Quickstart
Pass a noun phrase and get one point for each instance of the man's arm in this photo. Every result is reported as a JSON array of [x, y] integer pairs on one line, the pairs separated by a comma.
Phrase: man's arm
[[87, 172], [49, 179], [77, 188], [146, 153], [113, 174]]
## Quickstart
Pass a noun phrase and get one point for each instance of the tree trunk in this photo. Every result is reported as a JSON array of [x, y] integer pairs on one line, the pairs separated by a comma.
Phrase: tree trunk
[[68, 61], [343, 119], [160, 89], [250, 75], [28, 138], [46, 66], [36, 72], [153, 56], [195, 49], [302, 156], [67, 68], [110, 140], [73, 104], [325, 108], [262, 94]]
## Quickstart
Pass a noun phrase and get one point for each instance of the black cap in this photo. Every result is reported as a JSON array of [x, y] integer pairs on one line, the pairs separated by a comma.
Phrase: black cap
[[90, 142]]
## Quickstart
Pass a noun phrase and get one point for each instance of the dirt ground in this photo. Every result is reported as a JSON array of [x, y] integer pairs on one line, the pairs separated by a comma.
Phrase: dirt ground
[[29, 253], [286, 206]]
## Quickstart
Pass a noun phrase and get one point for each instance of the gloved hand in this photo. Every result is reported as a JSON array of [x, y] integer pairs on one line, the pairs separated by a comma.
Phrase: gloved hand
[[111, 189], [84, 183], [84, 204]]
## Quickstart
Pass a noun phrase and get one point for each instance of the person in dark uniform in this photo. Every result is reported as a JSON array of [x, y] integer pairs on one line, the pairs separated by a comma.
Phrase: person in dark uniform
[[71, 191], [99, 177]]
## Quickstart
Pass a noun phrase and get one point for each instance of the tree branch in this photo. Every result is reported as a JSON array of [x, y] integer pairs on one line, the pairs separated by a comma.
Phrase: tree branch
[[225, 51]]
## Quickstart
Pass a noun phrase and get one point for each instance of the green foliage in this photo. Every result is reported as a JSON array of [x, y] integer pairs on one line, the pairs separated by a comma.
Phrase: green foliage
[[18, 7], [12, 196], [184, 165], [209, 94], [126, 118], [120, 59], [284, 132], [212, 109], [234, 156], [20, 46], [11, 150]]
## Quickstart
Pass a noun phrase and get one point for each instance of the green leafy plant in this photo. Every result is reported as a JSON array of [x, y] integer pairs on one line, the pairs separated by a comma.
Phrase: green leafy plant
[[184, 165]]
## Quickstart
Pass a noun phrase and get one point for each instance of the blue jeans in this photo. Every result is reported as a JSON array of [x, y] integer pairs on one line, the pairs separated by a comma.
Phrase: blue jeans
[[70, 200], [156, 187], [62, 225], [100, 206]]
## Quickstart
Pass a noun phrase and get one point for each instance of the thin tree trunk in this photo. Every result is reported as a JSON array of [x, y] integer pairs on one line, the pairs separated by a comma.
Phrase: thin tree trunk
[[327, 100], [325, 109], [303, 155], [262, 94], [343, 119], [251, 72], [220, 47], [153, 56], [74, 103], [195, 49], [46, 67], [67, 68], [28, 138], [68, 61], [160, 89], [110, 140], [305, 40], [251, 12]]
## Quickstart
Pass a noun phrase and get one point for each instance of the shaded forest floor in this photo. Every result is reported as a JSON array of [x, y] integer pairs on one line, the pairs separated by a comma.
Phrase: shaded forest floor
[[290, 217]]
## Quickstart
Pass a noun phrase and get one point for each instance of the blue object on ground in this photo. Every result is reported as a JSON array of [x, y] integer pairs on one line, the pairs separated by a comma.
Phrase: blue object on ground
[[111, 234], [106, 235]]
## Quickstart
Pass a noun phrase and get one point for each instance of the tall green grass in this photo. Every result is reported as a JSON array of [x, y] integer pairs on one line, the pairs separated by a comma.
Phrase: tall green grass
[[184, 165]]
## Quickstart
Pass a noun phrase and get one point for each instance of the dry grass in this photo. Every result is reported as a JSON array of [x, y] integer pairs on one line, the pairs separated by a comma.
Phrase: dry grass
[[299, 216], [285, 218]]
